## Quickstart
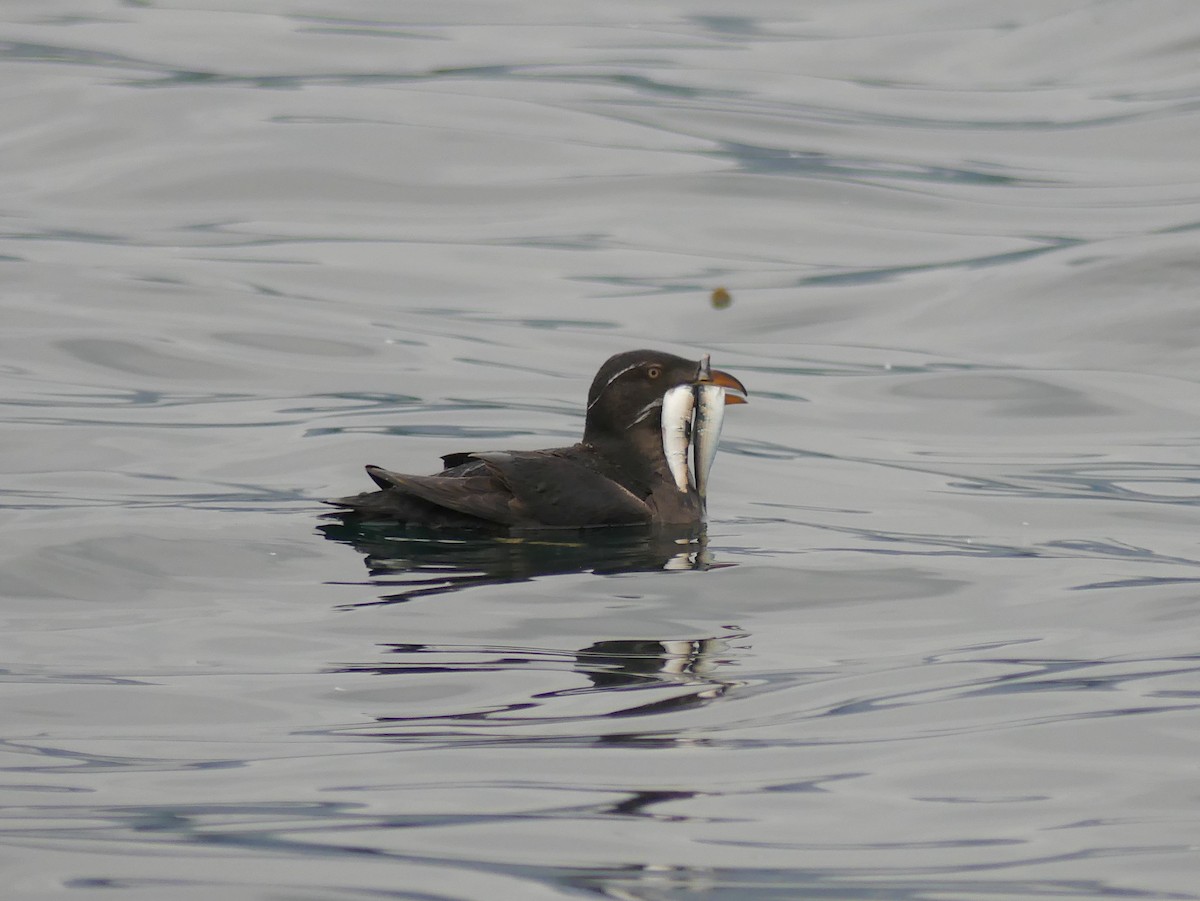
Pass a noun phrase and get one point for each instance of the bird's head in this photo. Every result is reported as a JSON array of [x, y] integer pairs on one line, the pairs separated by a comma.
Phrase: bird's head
[[626, 397]]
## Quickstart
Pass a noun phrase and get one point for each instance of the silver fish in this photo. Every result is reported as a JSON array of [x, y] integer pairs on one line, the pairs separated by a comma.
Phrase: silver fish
[[677, 407], [706, 433]]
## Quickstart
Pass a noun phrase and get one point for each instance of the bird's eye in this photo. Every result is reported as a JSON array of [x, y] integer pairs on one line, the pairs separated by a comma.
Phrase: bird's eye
[[654, 372]]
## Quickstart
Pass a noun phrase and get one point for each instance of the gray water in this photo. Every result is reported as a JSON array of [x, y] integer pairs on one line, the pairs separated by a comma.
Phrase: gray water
[[942, 643]]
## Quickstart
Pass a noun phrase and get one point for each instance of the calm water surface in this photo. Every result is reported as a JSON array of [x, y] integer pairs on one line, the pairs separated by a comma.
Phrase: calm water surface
[[942, 639]]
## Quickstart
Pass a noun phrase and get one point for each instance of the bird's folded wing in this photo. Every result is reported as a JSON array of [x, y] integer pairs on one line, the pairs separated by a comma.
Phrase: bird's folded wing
[[554, 490], [484, 496], [524, 490]]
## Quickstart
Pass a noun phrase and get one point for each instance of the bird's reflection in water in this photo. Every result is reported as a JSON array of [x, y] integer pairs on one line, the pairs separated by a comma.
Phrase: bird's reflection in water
[[618, 663], [689, 663], [641, 676], [419, 562]]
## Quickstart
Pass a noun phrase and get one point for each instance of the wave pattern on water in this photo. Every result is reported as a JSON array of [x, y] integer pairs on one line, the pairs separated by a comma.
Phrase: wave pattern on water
[[938, 638]]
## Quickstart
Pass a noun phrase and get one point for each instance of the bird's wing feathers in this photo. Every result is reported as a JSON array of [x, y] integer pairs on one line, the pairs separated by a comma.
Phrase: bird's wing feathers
[[483, 496], [555, 490], [533, 488]]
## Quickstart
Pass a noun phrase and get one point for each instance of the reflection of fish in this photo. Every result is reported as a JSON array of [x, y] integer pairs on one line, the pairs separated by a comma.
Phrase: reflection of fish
[[624, 662], [619, 474]]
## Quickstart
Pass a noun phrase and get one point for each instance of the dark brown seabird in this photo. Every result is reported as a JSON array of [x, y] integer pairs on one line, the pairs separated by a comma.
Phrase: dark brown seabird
[[630, 468]]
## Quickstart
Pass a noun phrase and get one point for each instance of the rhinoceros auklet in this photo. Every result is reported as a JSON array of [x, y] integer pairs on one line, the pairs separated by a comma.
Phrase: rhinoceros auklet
[[646, 410]]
